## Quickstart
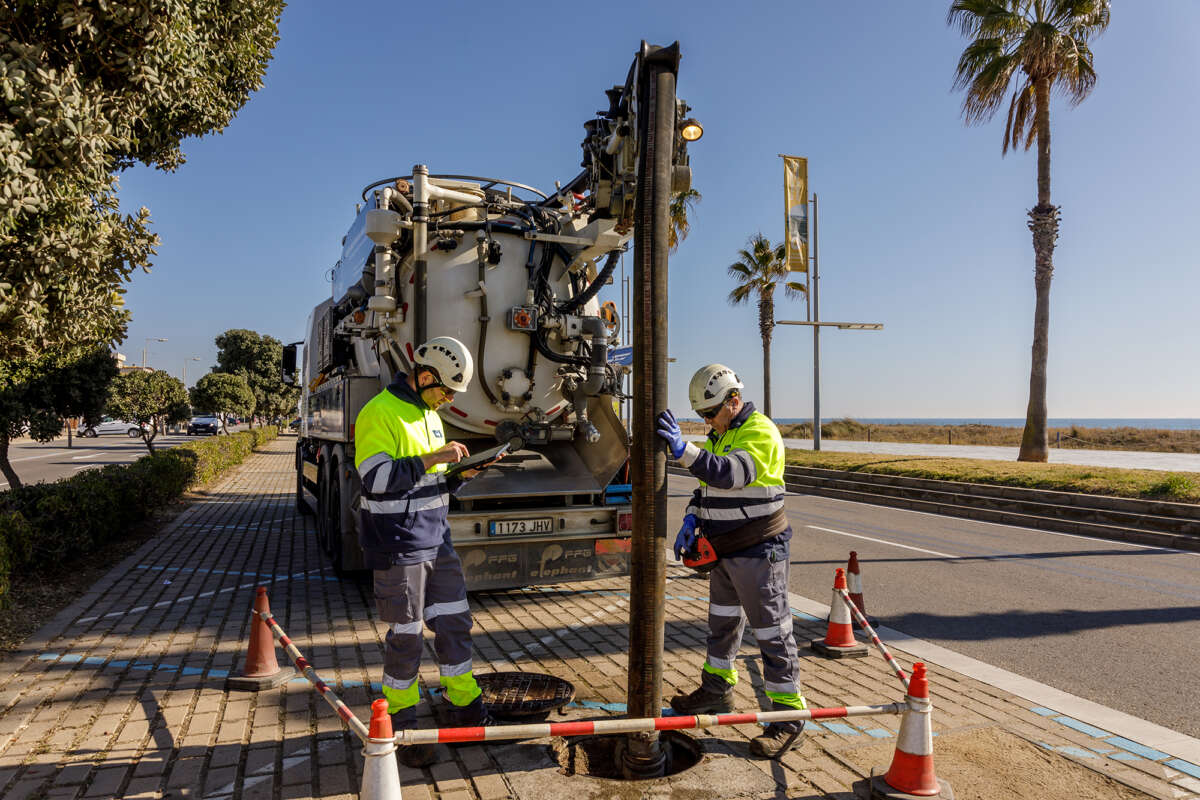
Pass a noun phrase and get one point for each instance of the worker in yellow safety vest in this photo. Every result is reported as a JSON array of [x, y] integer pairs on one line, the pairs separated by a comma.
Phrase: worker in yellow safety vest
[[739, 509], [401, 455]]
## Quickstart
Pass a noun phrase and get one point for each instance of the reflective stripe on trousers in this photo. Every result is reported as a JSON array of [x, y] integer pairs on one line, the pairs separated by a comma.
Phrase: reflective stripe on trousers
[[757, 586], [432, 592]]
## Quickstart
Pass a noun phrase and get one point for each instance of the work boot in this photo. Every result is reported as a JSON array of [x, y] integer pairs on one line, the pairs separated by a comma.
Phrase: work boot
[[472, 715], [703, 701], [770, 742], [412, 755]]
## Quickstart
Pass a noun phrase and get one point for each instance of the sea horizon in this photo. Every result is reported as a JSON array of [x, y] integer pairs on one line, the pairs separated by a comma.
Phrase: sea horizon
[[1162, 423]]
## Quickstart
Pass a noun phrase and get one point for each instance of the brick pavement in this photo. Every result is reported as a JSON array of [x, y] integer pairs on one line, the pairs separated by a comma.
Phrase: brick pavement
[[122, 694]]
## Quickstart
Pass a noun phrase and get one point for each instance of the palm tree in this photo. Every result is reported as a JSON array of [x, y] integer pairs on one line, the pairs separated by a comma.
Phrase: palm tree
[[682, 204], [1041, 45], [759, 269]]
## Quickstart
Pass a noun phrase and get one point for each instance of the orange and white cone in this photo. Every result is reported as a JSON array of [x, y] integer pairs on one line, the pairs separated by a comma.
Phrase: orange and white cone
[[839, 641], [855, 587], [260, 670], [381, 776], [911, 774]]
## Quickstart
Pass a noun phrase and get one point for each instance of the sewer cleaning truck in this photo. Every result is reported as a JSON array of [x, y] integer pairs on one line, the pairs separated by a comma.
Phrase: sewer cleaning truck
[[515, 274]]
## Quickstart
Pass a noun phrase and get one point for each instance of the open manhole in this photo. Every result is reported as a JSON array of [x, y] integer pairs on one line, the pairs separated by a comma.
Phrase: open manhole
[[601, 756], [523, 695]]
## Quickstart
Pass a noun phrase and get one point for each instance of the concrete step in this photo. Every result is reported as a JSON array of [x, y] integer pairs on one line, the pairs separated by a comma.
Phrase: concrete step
[[1161, 508], [955, 505], [1047, 504]]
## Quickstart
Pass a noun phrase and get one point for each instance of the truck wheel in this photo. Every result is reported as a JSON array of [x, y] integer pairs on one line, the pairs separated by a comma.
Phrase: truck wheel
[[333, 521], [322, 511], [301, 501]]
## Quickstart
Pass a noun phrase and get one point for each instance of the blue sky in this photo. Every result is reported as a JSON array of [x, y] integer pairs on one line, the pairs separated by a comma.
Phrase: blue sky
[[922, 223]]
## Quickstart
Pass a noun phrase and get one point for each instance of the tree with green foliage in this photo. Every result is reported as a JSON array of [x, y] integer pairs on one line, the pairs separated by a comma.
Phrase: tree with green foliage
[[90, 89], [759, 270], [682, 205], [1042, 46], [223, 394], [37, 393], [257, 358], [151, 399]]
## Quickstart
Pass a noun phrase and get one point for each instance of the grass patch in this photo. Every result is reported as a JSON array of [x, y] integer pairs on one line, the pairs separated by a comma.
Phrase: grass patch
[[1147, 484]]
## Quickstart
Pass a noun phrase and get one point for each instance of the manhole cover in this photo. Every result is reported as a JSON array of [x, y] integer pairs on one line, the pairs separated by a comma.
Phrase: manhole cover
[[511, 695]]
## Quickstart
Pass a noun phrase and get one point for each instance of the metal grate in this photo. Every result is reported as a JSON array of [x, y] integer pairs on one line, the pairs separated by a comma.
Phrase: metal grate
[[523, 694]]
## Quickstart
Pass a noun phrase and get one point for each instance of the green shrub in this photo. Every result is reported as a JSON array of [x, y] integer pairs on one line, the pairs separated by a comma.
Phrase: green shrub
[[48, 524], [1173, 487]]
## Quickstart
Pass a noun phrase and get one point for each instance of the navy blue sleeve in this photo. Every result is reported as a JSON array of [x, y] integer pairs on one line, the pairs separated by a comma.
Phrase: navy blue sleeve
[[720, 472]]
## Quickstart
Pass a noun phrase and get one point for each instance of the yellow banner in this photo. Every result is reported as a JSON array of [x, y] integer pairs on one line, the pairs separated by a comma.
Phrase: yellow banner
[[795, 201]]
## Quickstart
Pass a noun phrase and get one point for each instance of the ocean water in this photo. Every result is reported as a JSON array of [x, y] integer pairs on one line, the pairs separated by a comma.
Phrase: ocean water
[[1161, 423]]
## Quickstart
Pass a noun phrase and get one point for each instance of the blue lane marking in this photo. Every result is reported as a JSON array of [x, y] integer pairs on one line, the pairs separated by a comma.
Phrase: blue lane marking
[[1119, 756], [1045, 712], [1079, 752], [1184, 766], [1137, 749], [841, 727], [1083, 727], [879, 733]]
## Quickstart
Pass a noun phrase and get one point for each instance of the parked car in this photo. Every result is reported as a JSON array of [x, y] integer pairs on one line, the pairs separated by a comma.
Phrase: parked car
[[204, 425], [110, 425]]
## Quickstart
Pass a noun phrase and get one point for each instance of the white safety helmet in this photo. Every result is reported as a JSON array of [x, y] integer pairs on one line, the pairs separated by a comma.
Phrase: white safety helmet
[[711, 385], [450, 359]]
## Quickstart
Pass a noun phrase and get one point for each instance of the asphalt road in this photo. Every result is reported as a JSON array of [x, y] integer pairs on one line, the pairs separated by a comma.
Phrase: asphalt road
[[1116, 623], [35, 462]]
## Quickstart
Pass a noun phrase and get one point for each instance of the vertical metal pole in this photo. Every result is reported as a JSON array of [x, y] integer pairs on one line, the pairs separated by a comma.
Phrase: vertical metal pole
[[420, 252], [816, 317], [643, 756]]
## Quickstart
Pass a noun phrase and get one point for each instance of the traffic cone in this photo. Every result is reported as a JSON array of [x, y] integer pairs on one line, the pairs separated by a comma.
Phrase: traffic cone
[[855, 587], [381, 776], [839, 641], [260, 670], [911, 774]]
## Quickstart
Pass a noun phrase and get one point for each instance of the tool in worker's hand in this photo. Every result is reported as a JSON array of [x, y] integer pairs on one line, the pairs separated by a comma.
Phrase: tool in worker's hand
[[701, 556]]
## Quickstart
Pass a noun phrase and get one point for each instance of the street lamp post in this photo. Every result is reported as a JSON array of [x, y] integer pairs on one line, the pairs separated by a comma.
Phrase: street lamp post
[[146, 345], [193, 358], [816, 326]]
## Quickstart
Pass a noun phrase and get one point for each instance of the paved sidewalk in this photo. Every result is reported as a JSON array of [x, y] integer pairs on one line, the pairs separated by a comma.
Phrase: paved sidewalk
[[122, 695]]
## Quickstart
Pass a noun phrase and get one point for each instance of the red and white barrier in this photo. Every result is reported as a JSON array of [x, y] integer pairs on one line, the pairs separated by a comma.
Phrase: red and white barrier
[[493, 733], [343, 711], [866, 626]]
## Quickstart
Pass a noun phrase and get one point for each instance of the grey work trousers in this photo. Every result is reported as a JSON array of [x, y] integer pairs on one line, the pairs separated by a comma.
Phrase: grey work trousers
[[429, 594], [754, 589]]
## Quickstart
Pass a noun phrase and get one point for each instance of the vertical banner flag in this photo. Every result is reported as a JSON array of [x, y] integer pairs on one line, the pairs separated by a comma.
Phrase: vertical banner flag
[[795, 200]]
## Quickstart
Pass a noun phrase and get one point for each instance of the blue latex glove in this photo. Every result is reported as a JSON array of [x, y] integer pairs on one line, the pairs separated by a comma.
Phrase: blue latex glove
[[668, 429], [686, 539]]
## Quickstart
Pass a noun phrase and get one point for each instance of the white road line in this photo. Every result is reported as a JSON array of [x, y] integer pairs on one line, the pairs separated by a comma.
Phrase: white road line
[[1016, 527], [31, 458], [882, 541], [85, 455]]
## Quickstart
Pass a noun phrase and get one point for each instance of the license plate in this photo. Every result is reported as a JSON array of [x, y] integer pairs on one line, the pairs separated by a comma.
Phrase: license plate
[[504, 527]]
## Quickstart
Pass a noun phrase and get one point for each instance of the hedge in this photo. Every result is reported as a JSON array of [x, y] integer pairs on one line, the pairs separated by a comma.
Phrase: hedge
[[49, 524]]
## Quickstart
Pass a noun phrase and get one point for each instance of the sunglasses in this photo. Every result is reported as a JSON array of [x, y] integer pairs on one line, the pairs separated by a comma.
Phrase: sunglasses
[[711, 412]]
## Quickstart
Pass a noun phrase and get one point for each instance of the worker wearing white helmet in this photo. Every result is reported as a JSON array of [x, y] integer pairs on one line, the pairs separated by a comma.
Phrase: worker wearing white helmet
[[739, 509], [401, 455]]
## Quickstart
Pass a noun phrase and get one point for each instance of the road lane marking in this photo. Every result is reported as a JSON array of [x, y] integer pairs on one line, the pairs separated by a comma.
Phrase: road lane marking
[[1027, 529], [883, 541]]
